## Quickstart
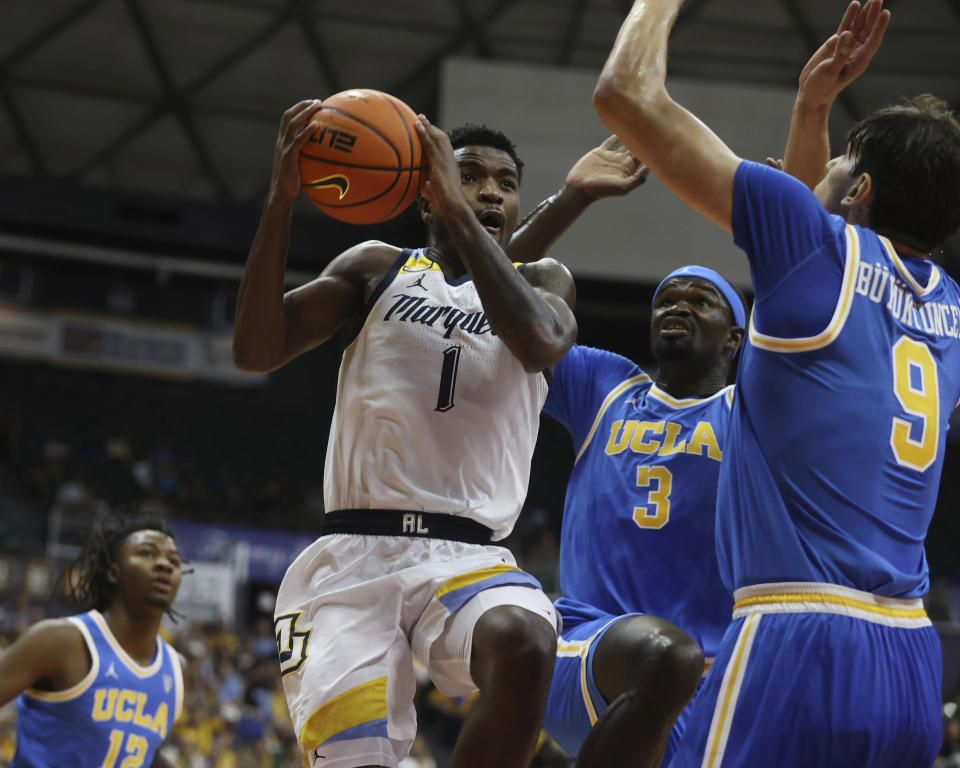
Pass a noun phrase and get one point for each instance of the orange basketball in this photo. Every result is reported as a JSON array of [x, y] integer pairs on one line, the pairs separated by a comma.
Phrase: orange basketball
[[364, 163]]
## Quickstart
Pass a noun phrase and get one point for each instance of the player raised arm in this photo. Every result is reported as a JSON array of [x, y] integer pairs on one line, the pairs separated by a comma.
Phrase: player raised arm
[[632, 99], [608, 170], [273, 327], [536, 322], [834, 65]]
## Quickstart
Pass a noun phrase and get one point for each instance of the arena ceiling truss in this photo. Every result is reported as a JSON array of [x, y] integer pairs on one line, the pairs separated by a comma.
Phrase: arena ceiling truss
[[183, 97]]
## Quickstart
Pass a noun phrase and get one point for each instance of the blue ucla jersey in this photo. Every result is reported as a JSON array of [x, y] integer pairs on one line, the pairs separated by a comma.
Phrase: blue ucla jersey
[[638, 524], [845, 388], [118, 715]]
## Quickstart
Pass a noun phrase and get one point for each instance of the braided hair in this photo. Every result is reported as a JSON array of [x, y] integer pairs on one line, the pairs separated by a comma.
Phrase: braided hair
[[86, 578]]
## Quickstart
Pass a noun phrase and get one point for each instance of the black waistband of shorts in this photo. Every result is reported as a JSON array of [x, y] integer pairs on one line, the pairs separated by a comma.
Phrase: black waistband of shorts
[[404, 522]]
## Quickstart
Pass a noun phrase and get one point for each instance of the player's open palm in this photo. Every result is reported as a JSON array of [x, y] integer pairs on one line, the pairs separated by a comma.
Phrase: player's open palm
[[846, 54], [295, 128], [609, 170]]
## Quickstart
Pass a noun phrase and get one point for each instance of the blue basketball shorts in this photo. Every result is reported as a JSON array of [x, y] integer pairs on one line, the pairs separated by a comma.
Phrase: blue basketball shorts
[[575, 703], [819, 675]]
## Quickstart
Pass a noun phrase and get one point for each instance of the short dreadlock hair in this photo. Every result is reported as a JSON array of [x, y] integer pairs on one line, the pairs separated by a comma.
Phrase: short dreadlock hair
[[86, 579]]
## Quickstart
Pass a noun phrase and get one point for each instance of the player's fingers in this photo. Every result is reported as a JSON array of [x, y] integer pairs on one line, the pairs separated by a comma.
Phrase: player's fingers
[[864, 54], [297, 119], [301, 111], [877, 31], [612, 142], [299, 107], [870, 13], [842, 52], [849, 16]]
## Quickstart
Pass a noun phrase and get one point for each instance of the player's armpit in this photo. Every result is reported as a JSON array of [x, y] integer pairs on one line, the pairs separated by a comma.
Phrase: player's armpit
[[52, 651], [314, 312]]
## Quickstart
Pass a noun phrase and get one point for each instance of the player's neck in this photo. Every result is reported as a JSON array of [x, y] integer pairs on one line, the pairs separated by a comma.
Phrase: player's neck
[[676, 378], [447, 258], [137, 635], [905, 245], [905, 249]]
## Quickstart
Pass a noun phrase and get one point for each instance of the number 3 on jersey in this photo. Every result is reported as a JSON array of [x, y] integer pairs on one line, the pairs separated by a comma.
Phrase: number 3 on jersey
[[917, 389], [660, 481]]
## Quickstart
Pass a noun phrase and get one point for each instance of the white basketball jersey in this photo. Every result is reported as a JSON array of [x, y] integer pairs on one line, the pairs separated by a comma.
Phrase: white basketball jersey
[[433, 412]]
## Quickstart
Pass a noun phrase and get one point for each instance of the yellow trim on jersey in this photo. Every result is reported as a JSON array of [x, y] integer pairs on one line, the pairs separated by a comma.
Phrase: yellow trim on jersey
[[729, 396], [419, 262], [466, 579], [905, 273], [359, 705], [614, 393], [178, 683], [687, 402], [729, 692], [124, 657], [83, 685], [840, 313], [810, 597]]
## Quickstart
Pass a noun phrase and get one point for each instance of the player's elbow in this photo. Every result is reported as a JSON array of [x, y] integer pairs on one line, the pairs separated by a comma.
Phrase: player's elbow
[[622, 101], [547, 349], [248, 359]]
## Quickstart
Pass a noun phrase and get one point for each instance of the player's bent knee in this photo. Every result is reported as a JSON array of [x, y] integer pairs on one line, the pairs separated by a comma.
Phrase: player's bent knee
[[512, 644], [650, 656], [680, 664]]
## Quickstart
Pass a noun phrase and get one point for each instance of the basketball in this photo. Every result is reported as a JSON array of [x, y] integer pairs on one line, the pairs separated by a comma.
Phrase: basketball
[[364, 163]]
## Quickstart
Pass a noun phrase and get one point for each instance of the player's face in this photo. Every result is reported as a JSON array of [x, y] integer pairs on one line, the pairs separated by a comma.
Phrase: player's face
[[834, 186], [148, 568], [690, 319], [492, 189]]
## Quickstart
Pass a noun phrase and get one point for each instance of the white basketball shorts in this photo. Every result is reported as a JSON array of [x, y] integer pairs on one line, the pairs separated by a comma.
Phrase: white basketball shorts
[[353, 612]]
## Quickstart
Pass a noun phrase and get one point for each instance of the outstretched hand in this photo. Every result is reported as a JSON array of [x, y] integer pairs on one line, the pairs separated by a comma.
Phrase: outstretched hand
[[846, 54], [609, 170], [296, 127]]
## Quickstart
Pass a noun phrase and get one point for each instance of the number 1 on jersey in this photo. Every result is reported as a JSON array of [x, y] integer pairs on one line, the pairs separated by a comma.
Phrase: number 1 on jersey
[[448, 378]]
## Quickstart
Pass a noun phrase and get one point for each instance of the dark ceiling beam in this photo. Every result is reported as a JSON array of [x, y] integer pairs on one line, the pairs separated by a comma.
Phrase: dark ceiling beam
[[572, 33], [20, 127], [480, 38], [813, 40], [463, 34], [28, 46], [50, 31], [176, 101], [954, 6], [304, 14], [232, 57]]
